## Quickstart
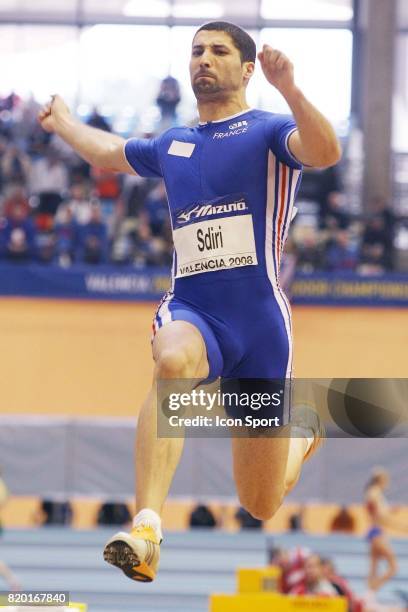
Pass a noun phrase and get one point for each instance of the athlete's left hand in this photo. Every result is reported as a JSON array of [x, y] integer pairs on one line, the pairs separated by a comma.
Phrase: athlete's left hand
[[277, 68]]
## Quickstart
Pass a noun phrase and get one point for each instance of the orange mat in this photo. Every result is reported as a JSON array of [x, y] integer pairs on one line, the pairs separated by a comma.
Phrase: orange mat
[[92, 358]]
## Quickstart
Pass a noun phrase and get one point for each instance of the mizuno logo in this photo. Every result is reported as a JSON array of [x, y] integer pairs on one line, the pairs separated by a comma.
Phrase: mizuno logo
[[207, 210], [234, 126]]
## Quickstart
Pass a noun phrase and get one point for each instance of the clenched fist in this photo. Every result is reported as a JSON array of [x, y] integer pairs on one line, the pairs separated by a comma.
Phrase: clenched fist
[[53, 114], [277, 68]]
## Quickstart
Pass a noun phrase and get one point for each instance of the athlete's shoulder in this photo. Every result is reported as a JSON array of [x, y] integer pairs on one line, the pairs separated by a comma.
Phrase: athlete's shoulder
[[182, 133], [277, 129], [270, 117], [272, 123], [263, 115]]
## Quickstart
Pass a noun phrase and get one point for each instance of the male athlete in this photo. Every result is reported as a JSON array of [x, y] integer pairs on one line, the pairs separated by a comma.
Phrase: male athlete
[[231, 183]]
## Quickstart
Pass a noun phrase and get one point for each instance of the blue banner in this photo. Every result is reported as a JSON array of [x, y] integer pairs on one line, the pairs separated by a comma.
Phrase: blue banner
[[350, 290], [83, 282], [149, 284]]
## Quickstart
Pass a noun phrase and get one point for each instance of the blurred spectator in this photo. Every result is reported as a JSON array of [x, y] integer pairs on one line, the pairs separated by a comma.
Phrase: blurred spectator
[[37, 141], [97, 120], [17, 231], [107, 190], [336, 216], [201, 516], [113, 513], [341, 254], [343, 521], [246, 520], [341, 586], [93, 239], [314, 582], [123, 247], [157, 211], [15, 166], [48, 181], [10, 102], [379, 232], [27, 124], [150, 250], [3, 149], [380, 208], [329, 189], [66, 236], [309, 251], [44, 244], [79, 202], [292, 565], [135, 193], [375, 232], [144, 237], [167, 100], [373, 260]]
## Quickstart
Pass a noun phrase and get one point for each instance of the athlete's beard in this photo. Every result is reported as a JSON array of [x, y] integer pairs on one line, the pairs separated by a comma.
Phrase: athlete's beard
[[204, 88]]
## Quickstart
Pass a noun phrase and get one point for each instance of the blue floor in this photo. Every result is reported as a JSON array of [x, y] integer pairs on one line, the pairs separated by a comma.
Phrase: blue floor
[[193, 565]]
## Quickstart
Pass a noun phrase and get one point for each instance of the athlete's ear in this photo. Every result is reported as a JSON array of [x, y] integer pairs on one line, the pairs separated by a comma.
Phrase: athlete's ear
[[249, 68]]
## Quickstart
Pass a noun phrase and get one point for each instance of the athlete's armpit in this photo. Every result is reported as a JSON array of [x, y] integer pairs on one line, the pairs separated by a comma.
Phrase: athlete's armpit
[[296, 148]]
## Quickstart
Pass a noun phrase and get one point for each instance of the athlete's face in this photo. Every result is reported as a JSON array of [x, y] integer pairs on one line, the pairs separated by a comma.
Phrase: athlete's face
[[216, 69], [313, 570]]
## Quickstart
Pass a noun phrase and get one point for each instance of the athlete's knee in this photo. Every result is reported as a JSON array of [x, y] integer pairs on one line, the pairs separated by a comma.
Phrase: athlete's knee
[[263, 507], [176, 363]]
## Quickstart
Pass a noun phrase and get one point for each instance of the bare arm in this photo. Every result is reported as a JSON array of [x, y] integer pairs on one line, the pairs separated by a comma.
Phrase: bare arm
[[314, 143], [97, 147], [382, 514]]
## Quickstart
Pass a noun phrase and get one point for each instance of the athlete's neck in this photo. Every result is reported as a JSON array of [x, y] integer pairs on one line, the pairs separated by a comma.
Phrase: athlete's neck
[[216, 110]]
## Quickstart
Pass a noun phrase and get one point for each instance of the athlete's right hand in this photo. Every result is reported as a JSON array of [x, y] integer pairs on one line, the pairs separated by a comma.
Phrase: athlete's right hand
[[53, 114]]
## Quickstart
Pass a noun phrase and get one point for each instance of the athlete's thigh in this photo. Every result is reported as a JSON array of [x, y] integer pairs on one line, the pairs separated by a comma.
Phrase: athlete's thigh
[[267, 340], [178, 324], [262, 373], [382, 548], [182, 336]]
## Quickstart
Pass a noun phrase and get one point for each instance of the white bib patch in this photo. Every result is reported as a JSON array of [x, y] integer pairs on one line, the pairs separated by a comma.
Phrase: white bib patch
[[213, 245], [181, 149]]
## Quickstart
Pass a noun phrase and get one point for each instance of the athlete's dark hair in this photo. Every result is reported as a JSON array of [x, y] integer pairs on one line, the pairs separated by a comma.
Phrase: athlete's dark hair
[[374, 480], [376, 477], [242, 41]]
